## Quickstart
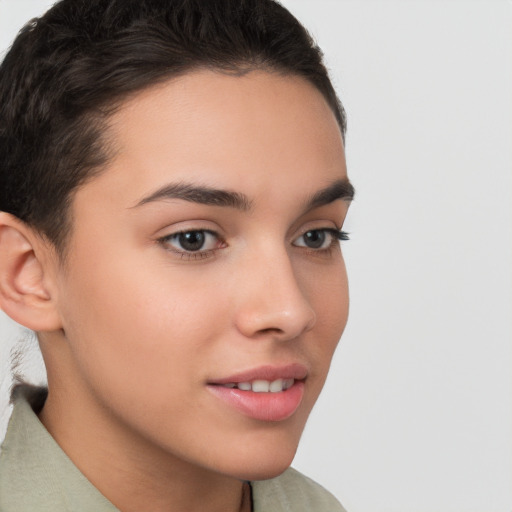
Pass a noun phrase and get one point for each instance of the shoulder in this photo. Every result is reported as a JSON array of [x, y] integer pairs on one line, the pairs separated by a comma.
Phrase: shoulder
[[293, 492], [35, 474]]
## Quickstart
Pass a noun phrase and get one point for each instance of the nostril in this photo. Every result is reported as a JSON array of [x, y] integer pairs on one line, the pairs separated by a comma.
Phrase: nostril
[[271, 330]]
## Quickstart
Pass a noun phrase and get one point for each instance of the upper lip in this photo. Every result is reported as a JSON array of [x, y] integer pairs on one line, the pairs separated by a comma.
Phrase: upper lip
[[297, 371]]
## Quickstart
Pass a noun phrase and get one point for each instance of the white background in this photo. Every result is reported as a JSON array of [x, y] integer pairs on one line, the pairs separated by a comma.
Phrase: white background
[[417, 412]]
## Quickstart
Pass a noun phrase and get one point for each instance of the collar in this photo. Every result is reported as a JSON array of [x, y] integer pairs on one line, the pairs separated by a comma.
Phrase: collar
[[35, 473]]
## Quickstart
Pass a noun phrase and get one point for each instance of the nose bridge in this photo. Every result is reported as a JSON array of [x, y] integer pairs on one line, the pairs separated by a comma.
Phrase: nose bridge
[[272, 300]]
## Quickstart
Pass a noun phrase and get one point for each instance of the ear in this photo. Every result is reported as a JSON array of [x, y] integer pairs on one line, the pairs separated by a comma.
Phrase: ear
[[25, 273]]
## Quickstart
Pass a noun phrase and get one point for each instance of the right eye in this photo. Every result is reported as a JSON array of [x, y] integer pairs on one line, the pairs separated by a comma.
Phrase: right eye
[[193, 241]]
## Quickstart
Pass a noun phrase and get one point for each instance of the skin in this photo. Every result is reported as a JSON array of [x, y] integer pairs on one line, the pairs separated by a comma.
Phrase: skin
[[141, 326]]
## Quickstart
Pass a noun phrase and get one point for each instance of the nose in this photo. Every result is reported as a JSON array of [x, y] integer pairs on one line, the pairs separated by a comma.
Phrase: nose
[[271, 302]]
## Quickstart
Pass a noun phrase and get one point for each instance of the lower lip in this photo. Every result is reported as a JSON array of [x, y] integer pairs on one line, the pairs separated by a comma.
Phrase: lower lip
[[262, 406]]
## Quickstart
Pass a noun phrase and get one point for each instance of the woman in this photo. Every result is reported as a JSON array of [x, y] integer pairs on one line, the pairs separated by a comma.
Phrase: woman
[[172, 198]]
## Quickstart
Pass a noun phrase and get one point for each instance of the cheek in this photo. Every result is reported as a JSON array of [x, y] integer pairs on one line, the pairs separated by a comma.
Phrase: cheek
[[327, 291], [329, 296], [148, 328]]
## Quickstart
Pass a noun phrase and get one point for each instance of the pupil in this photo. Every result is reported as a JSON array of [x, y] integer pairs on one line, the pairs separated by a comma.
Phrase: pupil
[[192, 241], [314, 239]]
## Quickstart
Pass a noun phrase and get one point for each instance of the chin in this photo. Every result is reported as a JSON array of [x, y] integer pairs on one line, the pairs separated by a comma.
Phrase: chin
[[263, 462], [265, 471], [269, 451]]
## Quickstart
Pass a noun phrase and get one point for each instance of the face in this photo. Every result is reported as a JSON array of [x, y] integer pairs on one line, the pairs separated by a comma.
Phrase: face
[[204, 291]]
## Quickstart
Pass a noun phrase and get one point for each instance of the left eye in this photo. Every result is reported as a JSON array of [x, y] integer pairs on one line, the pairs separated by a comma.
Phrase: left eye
[[317, 238], [192, 241]]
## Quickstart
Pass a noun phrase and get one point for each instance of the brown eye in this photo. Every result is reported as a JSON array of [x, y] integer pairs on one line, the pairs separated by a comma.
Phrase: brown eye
[[192, 241]]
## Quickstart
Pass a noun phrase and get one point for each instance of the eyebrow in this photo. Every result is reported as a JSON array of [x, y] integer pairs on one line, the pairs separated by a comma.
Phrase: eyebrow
[[340, 189], [199, 194]]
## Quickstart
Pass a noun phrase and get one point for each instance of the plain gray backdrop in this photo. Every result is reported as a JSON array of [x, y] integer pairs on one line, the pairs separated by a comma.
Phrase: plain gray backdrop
[[417, 411]]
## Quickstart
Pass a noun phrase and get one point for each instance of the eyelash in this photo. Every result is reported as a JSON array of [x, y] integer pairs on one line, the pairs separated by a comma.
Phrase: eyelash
[[337, 236]]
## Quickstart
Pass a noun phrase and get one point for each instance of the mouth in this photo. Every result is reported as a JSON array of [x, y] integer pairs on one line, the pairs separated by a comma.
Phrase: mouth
[[266, 393], [261, 385]]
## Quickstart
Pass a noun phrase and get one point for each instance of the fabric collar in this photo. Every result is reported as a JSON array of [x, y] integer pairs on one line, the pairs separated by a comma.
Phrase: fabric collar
[[32, 460]]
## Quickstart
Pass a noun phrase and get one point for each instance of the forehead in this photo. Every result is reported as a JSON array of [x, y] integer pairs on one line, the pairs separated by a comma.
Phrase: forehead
[[252, 133]]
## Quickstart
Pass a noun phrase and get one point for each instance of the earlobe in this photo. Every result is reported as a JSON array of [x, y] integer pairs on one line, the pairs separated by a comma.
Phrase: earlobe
[[24, 294]]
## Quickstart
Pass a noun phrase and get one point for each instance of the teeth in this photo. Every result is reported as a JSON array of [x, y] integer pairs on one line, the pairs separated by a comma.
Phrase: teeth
[[263, 386], [276, 386], [288, 383]]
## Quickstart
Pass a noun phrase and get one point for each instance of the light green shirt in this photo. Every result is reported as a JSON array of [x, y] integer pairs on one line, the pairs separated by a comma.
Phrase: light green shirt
[[37, 476]]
